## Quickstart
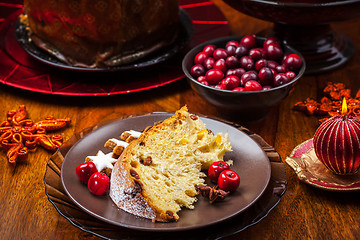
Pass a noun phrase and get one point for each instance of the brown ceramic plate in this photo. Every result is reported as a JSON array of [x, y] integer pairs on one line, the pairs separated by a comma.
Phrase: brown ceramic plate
[[250, 162]]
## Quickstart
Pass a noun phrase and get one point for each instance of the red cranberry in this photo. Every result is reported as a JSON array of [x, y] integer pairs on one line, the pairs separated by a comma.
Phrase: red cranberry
[[246, 62], [270, 40], [230, 50], [209, 50], [248, 41], [256, 53], [272, 64], [214, 76], [266, 76], [220, 64], [284, 57], [209, 63], [247, 76], [252, 85], [292, 62], [280, 79], [231, 82], [201, 78], [239, 89], [267, 87], [291, 75], [231, 62], [197, 70], [235, 72], [204, 82], [221, 86], [99, 183], [232, 43], [273, 71], [199, 58], [273, 51], [220, 53], [240, 51], [281, 69], [260, 64], [85, 170]]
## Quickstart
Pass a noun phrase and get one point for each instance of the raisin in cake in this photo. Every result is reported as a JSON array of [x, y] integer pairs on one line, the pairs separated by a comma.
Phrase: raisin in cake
[[88, 33], [156, 174]]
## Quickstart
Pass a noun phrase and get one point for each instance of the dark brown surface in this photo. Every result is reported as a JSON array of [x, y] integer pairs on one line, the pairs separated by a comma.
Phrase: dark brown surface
[[303, 213]]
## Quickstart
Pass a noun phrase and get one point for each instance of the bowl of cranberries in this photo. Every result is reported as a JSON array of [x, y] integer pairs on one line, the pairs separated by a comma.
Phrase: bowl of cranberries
[[244, 76]]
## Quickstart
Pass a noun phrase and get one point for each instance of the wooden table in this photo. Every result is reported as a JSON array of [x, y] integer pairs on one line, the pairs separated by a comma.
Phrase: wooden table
[[303, 213]]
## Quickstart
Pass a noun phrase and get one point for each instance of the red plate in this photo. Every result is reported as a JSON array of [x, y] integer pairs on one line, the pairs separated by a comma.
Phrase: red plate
[[20, 70]]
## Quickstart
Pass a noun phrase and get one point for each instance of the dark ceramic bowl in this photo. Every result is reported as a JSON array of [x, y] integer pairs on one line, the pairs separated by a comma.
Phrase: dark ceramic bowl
[[305, 25], [240, 106]]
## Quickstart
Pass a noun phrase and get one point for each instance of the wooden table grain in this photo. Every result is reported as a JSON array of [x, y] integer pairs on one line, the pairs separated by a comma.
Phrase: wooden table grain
[[303, 212]]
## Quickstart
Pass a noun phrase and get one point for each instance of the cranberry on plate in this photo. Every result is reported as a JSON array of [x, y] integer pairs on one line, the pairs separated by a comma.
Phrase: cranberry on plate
[[85, 170], [99, 183], [228, 180], [216, 168]]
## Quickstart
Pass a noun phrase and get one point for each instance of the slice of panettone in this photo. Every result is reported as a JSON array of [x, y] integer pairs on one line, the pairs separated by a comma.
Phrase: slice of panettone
[[156, 174]]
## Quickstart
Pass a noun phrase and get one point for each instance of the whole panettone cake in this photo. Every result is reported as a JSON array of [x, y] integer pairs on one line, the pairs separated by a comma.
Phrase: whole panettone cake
[[87, 33]]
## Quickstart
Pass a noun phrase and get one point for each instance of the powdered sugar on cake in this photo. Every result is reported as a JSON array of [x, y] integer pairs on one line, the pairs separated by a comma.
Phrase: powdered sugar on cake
[[125, 195]]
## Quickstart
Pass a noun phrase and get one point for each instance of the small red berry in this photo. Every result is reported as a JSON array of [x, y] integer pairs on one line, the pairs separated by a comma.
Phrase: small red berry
[[232, 43], [197, 70], [240, 51], [253, 85], [99, 183], [248, 41], [204, 82], [273, 51], [260, 64], [239, 89], [85, 170], [221, 86], [292, 62], [231, 62], [235, 72], [231, 82], [228, 180], [270, 40], [216, 168], [220, 53], [220, 64], [247, 76], [291, 75], [266, 76], [209, 50], [200, 57], [256, 53], [214, 76], [247, 63], [280, 79], [209, 63]]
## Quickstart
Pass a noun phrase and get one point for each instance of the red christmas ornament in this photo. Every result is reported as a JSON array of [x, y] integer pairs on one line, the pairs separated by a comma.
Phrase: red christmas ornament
[[337, 143]]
